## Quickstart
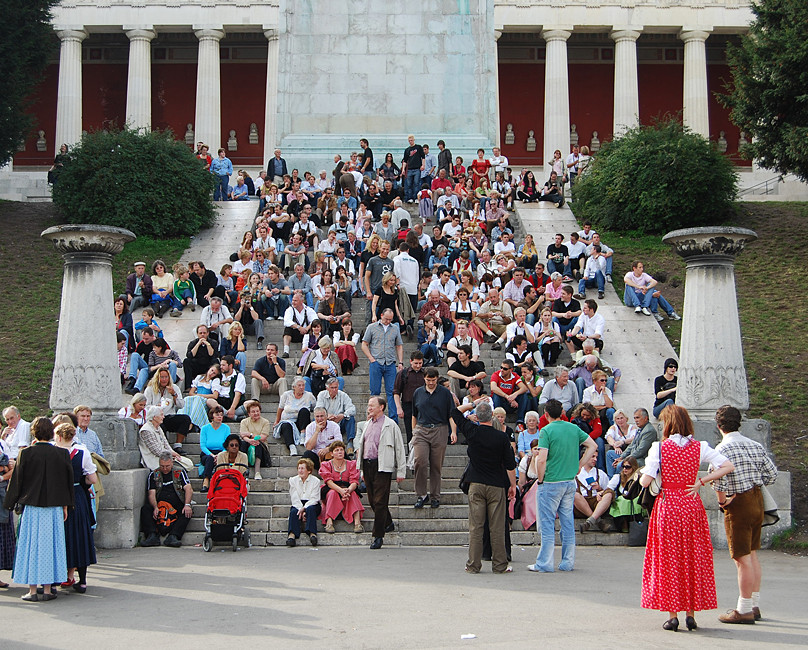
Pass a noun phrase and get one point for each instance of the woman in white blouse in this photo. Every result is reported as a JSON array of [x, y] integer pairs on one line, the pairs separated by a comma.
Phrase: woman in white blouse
[[304, 490], [619, 436]]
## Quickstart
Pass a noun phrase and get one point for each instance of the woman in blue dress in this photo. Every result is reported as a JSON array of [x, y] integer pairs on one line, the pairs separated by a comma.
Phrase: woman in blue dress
[[42, 483]]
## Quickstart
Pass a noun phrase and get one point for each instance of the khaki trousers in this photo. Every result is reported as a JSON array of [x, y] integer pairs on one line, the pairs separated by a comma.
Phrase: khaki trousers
[[430, 448], [487, 501], [279, 387]]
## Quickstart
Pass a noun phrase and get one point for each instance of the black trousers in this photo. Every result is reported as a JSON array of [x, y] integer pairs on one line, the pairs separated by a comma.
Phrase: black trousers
[[303, 420], [177, 424], [378, 486], [407, 408]]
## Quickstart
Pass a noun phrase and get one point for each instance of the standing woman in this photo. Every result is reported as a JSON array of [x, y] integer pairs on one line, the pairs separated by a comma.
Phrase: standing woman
[[677, 570], [479, 168], [42, 483], [80, 520]]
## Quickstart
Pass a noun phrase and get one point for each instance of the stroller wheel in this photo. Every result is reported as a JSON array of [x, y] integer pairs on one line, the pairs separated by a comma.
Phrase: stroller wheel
[[235, 543], [207, 544]]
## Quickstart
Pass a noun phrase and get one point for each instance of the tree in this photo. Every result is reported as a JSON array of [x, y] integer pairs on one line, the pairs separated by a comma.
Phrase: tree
[[144, 181], [26, 41], [654, 179], [769, 92]]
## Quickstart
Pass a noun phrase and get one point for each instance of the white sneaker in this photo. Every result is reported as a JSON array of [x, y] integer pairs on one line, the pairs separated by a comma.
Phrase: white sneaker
[[608, 278], [270, 318], [258, 477], [658, 316], [646, 311], [637, 309], [293, 451], [674, 316]]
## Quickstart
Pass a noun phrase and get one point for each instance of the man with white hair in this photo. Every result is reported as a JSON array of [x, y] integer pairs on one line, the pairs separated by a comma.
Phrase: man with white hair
[[560, 388], [217, 318], [398, 214], [17, 433], [340, 409]]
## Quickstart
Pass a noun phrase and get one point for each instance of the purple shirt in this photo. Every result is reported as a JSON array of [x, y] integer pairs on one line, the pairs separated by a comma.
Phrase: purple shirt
[[370, 445]]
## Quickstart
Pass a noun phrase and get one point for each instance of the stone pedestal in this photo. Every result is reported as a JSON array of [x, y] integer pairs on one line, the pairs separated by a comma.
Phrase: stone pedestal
[[711, 365], [119, 508], [86, 365]]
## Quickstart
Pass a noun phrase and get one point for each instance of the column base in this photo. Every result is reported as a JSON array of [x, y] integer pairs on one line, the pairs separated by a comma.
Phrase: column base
[[119, 508]]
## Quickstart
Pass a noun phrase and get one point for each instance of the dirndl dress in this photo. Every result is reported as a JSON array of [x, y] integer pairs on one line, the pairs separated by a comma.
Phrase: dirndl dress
[[79, 523], [196, 407], [677, 571], [41, 557]]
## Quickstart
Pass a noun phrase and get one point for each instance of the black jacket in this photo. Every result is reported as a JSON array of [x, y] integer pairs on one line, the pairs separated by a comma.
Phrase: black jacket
[[43, 477]]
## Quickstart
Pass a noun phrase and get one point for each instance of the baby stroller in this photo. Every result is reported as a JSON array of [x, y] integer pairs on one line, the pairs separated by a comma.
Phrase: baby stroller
[[226, 513]]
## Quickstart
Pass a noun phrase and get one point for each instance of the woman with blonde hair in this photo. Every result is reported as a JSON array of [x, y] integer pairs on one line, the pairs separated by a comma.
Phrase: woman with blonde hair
[[234, 345], [167, 395]]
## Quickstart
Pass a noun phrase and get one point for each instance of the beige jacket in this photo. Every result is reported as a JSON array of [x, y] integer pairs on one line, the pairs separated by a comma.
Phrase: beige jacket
[[392, 457]]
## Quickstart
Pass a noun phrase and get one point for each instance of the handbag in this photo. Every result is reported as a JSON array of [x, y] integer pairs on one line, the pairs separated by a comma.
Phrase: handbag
[[464, 481], [647, 495], [770, 514], [637, 529]]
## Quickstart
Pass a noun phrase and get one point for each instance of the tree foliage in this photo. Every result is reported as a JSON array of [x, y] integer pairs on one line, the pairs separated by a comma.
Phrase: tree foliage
[[26, 40], [144, 181], [654, 179], [769, 94]]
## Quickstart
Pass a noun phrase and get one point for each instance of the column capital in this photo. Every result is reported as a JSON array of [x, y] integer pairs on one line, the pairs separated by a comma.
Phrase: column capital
[[497, 34], [209, 33], [556, 33], [142, 33], [625, 33], [71, 33], [695, 34], [271, 33]]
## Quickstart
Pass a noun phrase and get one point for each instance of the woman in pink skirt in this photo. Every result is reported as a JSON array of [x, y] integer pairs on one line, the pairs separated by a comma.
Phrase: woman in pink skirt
[[341, 477], [678, 567]]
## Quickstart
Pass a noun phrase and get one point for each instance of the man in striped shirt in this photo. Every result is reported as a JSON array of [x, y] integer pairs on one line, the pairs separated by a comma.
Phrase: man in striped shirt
[[740, 498]]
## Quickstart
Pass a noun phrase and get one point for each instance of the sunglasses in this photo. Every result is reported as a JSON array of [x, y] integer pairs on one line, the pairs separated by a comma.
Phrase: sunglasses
[[626, 466]]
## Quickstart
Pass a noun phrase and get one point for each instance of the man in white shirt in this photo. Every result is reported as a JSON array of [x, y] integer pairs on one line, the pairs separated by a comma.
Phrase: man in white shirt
[[592, 499], [504, 188], [572, 164], [638, 292], [398, 214], [217, 318], [577, 253], [231, 387], [486, 264], [505, 246], [499, 163], [408, 272], [594, 275], [605, 251], [590, 325], [450, 198], [17, 434], [319, 435], [444, 285], [297, 321], [265, 242]]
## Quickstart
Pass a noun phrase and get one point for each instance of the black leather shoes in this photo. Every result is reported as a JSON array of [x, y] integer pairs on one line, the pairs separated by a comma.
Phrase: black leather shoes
[[376, 543], [672, 625], [435, 503], [690, 622], [390, 528], [420, 502]]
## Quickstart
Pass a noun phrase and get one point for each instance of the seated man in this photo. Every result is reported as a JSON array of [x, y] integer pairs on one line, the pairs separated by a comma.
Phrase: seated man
[[204, 281], [301, 281], [638, 292], [605, 251], [217, 318], [332, 311], [230, 388], [507, 391], [647, 435], [319, 435], [339, 409], [276, 291], [461, 337], [558, 257], [463, 370], [240, 192], [139, 288], [562, 389], [581, 372], [577, 253], [168, 508], [268, 374], [566, 310], [594, 275], [514, 292], [590, 325], [493, 317], [199, 356], [553, 191], [592, 496], [297, 322], [139, 363]]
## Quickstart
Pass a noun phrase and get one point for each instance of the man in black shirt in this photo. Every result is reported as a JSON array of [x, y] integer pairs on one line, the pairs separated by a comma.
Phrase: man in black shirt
[[268, 374], [388, 195], [167, 510], [204, 282], [490, 471], [463, 370], [366, 161], [558, 257], [431, 405], [408, 380], [200, 355], [412, 164], [566, 310], [139, 363], [373, 202]]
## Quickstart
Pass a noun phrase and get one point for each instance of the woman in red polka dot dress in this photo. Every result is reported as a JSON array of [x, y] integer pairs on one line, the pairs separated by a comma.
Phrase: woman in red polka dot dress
[[678, 567]]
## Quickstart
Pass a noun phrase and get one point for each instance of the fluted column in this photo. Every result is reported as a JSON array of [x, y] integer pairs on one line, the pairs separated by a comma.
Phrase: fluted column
[[496, 138], [696, 113], [556, 94], [271, 105], [208, 121], [138, 86], [626, 89], [68, 102], [711, 365]]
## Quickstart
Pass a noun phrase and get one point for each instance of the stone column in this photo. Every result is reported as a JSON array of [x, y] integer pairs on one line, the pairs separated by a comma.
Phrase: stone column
[[138, 87], [696, 113], [271, 105], [626, 90], [208, 121], [496, 136], [68, 102], [86, 366], [556, 95], [711, 366]]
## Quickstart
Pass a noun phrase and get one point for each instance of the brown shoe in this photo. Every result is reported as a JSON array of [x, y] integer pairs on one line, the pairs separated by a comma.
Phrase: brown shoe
[[733, 616], [756, 612]]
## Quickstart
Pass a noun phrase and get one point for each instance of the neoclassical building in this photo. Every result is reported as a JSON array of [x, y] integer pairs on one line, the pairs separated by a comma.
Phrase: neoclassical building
[[312, 77]]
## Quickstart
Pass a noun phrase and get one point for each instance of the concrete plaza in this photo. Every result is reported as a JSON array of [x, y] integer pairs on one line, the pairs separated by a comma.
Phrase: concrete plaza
[[393, 598]]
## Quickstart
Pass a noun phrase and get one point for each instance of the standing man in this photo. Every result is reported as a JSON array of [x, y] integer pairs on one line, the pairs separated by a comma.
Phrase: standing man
[[366, 161], [430, 168], [408, 272], [384, 349], [411, 165], [491, 471], [444, 159], [222, 169], [431, 406], [377, 267], [741, 501], [499, 163], [379, 454], [276, 168], [408, 380], [572, 165], [17, 434], [557, 464]]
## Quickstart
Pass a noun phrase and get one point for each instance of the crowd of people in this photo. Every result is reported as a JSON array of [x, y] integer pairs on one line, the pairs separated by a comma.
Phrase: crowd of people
[[318, 245]]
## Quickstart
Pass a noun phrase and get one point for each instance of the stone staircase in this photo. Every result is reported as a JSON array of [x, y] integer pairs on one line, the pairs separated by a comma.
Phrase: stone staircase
[[31, 186]]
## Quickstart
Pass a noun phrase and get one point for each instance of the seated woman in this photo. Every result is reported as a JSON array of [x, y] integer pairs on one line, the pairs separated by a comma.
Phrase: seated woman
[[321, 281], [254, 432], [123, 322], [162, 392], [665, 387], [225, 287], [345, 342], [324, 363], [233, 345], [619, 436], [624, 508], [310, 344], [162, 287], [528, 189], [162, 356], [243, 262], [304, 490], [345, 285], [231, 456], [586, 417], [534, 383], [196, 401], [212, 442], [599, 396], [135, 410], [548, 335], [528, 255], [430, 340], [530, 433], [440, 257], [528, 486], [294, 415], [341, 477]]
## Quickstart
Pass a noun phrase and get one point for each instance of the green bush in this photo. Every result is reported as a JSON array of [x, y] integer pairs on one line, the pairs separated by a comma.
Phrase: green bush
[[655, 179], [144, 181]]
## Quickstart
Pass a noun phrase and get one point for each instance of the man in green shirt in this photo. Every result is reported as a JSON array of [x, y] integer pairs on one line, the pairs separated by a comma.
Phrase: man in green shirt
[[557, 464]]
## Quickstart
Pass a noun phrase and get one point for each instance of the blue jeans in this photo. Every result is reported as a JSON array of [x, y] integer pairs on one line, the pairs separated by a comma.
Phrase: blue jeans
[[222, 183], [431, 353], [312, 512], [599, 281], [601, 443], [563, 269], [563, 329], [609, 261], [657, 409], [275, 308], [634, 298], [241, 362], [661, 302], [347, 427], [186, 295], [552, 499], [340, 382], [412, 184], [387, 371], [612, 456], [521, 405]]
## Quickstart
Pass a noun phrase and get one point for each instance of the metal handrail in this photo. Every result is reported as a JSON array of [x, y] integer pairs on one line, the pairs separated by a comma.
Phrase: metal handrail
[[775, 180]]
